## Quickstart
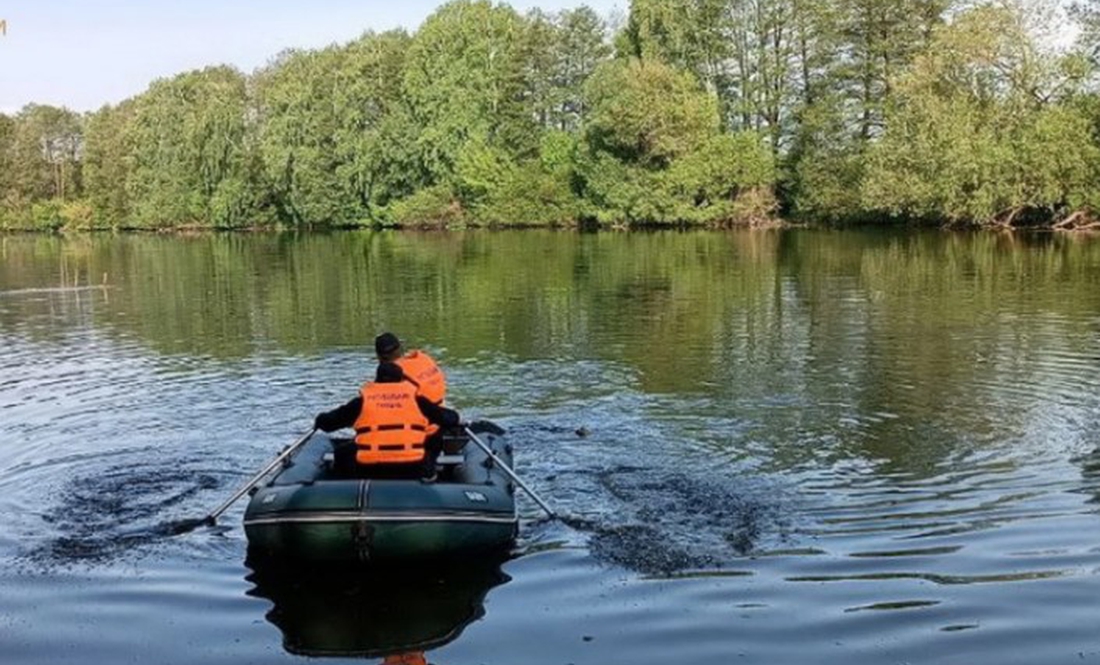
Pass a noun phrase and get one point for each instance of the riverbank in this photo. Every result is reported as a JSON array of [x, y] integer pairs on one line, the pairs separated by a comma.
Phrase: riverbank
[[1082, 226]]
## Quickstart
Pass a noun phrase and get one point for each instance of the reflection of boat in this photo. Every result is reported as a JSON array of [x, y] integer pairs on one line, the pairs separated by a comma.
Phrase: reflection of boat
[[376, 612], [307, 512]]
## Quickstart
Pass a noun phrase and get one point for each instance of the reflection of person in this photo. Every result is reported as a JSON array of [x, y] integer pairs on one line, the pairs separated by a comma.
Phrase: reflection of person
[[419, 368], [397, 431], [410, 658]]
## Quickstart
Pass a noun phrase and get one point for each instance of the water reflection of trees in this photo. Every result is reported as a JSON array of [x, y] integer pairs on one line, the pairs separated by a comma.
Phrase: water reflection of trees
[[860, 338]]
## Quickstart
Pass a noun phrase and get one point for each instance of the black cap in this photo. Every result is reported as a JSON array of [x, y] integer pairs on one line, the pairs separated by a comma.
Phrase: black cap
[[389, 373], [386, 343]]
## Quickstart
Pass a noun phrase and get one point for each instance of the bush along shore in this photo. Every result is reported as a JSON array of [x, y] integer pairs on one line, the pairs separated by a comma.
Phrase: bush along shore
[[707, 112]]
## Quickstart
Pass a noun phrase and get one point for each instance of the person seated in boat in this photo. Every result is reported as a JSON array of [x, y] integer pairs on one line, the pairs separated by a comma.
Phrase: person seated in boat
[[420, 369], [397, 431]]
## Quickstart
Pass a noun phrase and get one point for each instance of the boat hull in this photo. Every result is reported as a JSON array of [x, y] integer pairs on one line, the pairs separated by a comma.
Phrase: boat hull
[[367, 539], [305, 513]]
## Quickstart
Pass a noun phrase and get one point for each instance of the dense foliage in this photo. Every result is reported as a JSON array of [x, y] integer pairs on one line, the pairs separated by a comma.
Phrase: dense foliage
[[713, 112]]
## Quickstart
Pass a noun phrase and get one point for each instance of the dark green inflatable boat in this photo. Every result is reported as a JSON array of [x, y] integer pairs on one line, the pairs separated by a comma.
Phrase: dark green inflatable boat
[[306, 512]]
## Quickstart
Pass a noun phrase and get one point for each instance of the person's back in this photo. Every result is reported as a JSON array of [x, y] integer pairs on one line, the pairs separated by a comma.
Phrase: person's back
[[396, 429], [425, 374], [390, 428], [419, 367]]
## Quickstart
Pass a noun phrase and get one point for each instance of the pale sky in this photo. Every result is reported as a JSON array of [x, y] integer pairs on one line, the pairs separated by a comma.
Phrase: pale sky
[[86, 54]]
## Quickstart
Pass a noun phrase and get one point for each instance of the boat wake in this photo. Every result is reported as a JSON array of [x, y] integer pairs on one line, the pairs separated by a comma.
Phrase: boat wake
[[661, 523], [117, 513]]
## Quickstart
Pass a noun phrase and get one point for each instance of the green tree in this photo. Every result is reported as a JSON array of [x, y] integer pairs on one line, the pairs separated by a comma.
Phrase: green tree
[[464, 80], [540, 62], [883, 36], [41, 170], [581, 46], [654, 152], [336, 139], [728, 179], [7, 171], [692, 35], [849, 55], [190, 159], [825, 167], [560, 52], [975, 132], [106, 164], [45, 153], [374, 134], [502, 192], [297, 136], [645, 112]]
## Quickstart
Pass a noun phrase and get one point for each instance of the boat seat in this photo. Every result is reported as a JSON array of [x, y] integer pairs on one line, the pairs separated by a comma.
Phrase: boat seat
[[441, 461], [450, 460], [453, 445]]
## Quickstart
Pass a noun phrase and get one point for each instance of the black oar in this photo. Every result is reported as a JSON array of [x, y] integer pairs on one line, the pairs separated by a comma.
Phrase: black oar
[[183, 526], [511, 474]]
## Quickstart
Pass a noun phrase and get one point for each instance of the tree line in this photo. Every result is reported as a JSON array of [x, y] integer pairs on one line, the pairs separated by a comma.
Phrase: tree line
[[708, 112]]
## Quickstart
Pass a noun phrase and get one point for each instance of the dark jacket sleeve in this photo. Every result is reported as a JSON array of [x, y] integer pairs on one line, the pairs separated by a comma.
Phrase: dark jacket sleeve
[[438, 415], [340, 417]]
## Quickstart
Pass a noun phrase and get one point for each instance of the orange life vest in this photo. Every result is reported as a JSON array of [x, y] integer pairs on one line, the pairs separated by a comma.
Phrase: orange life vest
[[421, 370], [390, 428], [412, 658]]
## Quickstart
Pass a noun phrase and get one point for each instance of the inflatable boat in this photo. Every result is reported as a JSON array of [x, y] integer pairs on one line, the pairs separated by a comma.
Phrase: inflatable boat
[[307, 511]]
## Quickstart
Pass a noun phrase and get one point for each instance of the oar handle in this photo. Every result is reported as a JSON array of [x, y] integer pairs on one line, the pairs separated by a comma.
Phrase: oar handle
[[511, 474], [213, 516]]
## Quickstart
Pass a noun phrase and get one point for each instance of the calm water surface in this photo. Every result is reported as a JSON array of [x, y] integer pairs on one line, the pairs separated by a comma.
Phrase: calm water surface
[[799, 446]]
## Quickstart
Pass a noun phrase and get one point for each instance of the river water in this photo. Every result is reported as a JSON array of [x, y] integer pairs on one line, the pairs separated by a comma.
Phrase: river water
[[766, 447]]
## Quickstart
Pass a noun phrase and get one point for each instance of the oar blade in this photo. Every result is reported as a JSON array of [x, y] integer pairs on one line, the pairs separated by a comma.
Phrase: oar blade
[[180, 527]]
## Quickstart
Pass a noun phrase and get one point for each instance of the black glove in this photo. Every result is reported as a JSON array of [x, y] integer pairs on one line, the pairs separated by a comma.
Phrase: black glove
[[321, 421]]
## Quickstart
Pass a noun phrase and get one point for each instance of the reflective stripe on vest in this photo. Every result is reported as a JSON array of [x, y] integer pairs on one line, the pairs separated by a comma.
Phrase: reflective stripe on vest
[[390, 428], [421, 371]]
